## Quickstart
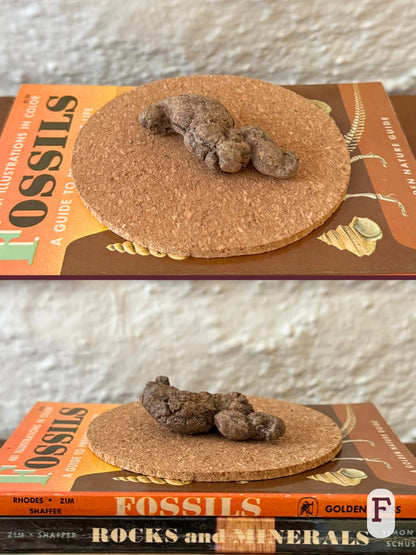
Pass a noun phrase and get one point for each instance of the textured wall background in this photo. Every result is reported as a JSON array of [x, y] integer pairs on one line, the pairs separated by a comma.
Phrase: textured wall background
[[131, 42], [308, 342]]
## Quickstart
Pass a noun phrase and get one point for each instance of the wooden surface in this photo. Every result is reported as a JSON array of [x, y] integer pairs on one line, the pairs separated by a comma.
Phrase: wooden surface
[[405, 107]]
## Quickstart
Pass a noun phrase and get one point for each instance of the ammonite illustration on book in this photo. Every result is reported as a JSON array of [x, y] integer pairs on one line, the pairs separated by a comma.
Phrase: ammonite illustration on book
[[173, 436]]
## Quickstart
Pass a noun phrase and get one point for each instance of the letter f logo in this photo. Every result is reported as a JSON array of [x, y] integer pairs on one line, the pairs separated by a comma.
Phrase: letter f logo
[[381, 508], [378, 507]]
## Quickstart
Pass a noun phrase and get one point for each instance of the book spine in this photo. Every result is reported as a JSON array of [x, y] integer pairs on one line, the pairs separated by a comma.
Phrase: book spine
[[194, 504], [199, 535]]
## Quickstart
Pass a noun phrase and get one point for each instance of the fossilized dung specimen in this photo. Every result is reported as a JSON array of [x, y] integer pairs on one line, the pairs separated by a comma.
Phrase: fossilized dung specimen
[[186, 412], [208, 131]]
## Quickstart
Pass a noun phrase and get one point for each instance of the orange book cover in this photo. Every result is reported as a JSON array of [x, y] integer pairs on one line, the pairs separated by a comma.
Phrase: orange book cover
[[45, 230], [47, 470]]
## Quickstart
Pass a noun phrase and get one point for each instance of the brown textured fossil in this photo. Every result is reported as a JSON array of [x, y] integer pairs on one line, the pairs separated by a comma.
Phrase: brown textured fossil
[[186, 412], [208, 131]]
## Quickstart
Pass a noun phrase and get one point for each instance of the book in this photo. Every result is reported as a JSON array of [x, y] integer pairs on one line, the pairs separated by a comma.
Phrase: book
[[47, 469], [45, 229], [56, 495], [199, 535]]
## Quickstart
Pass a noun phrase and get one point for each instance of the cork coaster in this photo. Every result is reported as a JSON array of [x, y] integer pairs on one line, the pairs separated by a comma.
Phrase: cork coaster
[[150, 190], [129, 438]]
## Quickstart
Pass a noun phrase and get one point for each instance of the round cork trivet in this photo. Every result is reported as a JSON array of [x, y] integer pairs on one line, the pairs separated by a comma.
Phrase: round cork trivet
[[129, 438], [150, 190]]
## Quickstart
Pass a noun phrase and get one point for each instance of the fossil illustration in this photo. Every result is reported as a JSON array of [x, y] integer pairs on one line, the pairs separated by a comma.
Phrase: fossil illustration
[[141, 478], [369, 155], [358, 237], [353, 137], [386, 464], [388, 198], [360, 441], [349, 423], [129, 247], [341, 477], [322, 105]]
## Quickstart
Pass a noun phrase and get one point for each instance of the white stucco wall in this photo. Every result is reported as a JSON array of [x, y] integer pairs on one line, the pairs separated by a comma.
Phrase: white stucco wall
[[131, 42], [308, 342]]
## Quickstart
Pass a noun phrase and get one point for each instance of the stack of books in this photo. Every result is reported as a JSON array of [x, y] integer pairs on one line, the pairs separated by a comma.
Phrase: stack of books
[[57, 496]]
